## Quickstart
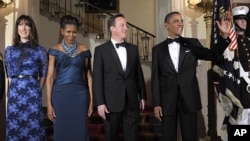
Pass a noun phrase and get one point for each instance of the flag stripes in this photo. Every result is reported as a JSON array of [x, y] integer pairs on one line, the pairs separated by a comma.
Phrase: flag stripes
[[232, 35]]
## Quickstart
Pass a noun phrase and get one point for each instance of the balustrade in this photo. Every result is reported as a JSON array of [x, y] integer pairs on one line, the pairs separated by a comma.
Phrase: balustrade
[[94, 21]]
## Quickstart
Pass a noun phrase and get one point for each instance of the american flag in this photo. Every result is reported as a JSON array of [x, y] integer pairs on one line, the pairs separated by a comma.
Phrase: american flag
[[232, 35], [227, 87], [220, 6]]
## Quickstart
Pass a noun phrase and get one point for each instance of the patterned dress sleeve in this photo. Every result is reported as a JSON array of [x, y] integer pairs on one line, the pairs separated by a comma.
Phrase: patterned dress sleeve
[[43, 62], [7, 61]]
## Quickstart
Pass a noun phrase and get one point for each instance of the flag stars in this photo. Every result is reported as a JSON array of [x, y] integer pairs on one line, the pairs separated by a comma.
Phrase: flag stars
[[230, 75], [238, 82]]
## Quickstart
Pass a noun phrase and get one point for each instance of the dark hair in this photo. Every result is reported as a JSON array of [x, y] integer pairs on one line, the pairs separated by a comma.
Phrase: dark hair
[[111, 21], [237, 17], [68, 19], [169, 15], [33, 34]]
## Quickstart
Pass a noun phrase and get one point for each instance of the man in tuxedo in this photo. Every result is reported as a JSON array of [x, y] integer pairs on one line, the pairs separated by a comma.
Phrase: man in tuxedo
[[118, 82], [175, 90]]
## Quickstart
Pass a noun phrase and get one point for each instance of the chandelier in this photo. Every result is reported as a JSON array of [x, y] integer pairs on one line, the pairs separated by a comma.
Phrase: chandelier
[[3, 4]]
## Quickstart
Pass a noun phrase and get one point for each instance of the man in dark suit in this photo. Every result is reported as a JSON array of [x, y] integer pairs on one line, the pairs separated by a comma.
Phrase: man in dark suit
[[175, 90], [118, 82]]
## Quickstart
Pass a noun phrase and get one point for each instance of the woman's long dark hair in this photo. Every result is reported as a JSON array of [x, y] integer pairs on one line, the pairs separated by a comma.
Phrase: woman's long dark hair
[[33, 38]]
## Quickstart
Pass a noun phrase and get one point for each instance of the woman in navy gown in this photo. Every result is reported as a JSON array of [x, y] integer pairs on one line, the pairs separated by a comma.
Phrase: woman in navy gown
[[69, 85], [26, 67]]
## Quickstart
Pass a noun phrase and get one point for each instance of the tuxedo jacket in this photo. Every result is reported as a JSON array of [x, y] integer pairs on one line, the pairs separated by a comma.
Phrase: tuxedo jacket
[[243, 51], [114, 87], [168, 84]]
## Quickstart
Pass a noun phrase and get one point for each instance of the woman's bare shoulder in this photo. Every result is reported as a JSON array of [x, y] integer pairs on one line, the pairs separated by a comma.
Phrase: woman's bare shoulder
[[58, 47], [82, 47]]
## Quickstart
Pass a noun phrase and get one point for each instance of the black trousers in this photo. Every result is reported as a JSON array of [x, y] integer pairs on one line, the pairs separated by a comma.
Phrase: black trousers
[[187, 120], [128, 119]]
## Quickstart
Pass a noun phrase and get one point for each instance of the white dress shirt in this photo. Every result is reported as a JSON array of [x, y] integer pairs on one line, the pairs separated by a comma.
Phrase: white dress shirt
[[174, 51], [122, 53]]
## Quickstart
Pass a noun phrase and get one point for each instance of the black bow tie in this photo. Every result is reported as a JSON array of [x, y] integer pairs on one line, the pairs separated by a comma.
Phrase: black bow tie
[[122, 44], [170, 40]]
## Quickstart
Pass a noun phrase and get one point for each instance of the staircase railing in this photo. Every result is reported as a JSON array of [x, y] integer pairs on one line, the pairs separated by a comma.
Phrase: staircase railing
[[94, 21]]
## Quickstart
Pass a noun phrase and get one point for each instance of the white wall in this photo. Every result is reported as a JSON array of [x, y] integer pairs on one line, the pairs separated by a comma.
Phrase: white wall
[[139, 13], [6, 27]]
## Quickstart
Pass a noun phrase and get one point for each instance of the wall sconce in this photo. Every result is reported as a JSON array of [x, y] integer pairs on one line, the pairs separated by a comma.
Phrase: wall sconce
[[145, 47], [100, 36], [57, 7], [4, 3], [79, 11], [101, 18]]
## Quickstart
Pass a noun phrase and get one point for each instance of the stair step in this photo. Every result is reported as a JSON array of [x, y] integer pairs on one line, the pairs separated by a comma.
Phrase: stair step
[[95, 119], [142, 136], [97, 137], [149, 136], [145, 117], [49, 138], [96, 128], [146, 127]]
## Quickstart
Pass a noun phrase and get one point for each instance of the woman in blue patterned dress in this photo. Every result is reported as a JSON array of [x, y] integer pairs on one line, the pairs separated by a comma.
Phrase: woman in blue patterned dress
[[26, 66], [69, 85]]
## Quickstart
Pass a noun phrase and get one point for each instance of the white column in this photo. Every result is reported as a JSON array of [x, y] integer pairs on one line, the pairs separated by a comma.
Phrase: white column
[[162, 8], [27, 7]]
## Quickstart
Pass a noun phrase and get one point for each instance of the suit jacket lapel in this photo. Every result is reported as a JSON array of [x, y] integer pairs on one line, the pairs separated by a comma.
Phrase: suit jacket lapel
[[181, 55], [116, 57], [165, 52], [129, 59], [183, 48]]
